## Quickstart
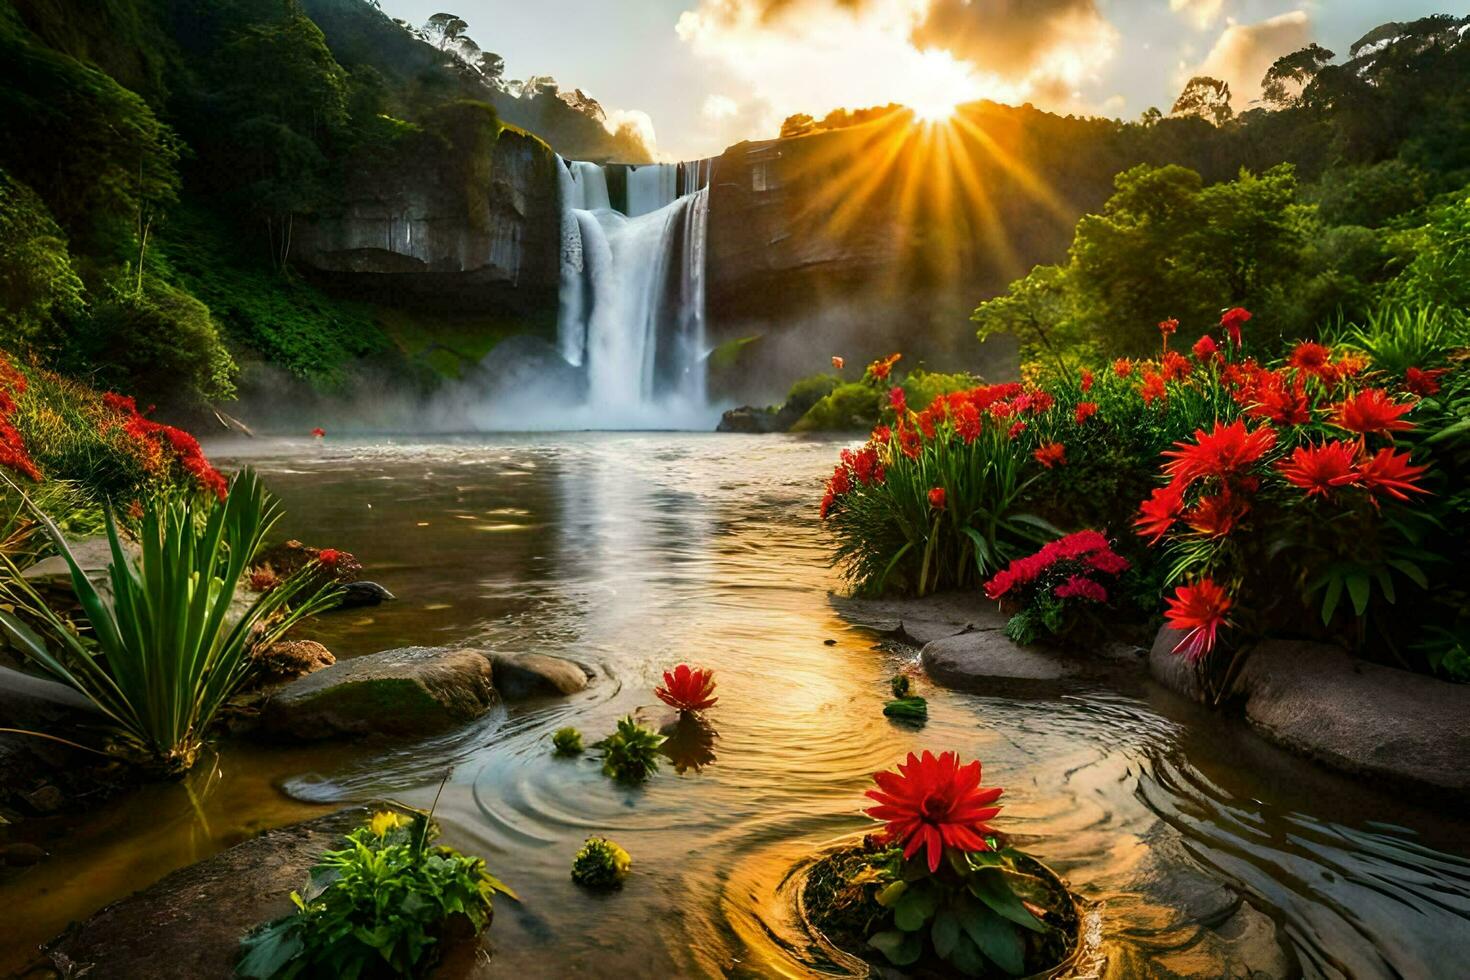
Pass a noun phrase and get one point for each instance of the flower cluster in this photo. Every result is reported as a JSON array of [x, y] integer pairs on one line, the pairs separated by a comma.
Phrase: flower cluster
[[1053, 589], [863, 467], [13, 453], [152, 438]]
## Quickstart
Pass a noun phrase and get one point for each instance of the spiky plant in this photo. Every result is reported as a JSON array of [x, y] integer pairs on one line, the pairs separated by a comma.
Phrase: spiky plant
[[600, 864], [630, 754]]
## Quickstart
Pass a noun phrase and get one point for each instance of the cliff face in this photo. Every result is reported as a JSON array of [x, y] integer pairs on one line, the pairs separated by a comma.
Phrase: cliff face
[[885, 236], [464, 225]]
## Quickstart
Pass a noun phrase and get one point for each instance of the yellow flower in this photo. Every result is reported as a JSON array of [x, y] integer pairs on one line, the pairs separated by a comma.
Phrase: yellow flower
[[383, 822]]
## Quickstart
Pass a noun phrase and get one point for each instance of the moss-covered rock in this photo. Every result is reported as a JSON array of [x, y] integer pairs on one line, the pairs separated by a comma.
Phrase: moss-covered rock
[[411, 691]]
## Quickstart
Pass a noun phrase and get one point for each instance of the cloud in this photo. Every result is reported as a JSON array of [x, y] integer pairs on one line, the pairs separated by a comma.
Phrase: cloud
[[817, 55], [1243, 52], [1202, 12]]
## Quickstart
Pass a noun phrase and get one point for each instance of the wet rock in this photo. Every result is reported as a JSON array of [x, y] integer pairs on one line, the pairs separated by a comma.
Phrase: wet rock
[[21, 855], [293, 658], [530, 675], [988, 661], [1357, 716], [356, 595], [39, 776], [1253, 947], [923, 620], [411, 691], [1176, 673], [188, 925], [750, 420]]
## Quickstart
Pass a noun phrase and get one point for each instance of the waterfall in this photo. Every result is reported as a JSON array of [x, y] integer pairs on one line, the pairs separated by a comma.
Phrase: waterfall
[[632, 296]]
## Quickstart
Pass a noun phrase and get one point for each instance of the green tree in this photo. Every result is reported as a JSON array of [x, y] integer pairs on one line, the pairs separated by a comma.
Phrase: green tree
[[38, 285], [1291, 73], [1205, 97], [1039, 311]]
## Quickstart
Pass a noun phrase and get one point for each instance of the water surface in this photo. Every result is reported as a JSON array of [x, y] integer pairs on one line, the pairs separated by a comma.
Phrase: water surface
[[630, 553]]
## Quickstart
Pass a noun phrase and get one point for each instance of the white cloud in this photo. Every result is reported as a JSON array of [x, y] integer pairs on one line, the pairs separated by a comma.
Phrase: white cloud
[[1243, 52], [1202, 13]]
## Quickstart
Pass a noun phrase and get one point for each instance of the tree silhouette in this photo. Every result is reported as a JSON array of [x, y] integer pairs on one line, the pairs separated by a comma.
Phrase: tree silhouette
[[1291, 73], [1207, 98]]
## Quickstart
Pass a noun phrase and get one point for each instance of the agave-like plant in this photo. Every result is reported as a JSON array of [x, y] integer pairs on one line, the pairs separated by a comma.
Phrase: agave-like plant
[[164, 653]]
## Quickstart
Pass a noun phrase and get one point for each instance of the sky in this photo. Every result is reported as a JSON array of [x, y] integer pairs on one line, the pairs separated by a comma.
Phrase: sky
[[700, 75]]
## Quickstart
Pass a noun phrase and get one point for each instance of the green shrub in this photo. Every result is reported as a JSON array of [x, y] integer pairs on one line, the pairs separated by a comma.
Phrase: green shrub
[[630, 754], [378, 907], [601, 864], [849, 407], [567, 741], [162, 653], [38, 286]]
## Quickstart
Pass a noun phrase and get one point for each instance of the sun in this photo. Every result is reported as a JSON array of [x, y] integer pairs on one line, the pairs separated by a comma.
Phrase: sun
[[938, 110]]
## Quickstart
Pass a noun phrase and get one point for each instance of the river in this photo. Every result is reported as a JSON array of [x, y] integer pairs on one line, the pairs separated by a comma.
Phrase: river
[[633, 552]]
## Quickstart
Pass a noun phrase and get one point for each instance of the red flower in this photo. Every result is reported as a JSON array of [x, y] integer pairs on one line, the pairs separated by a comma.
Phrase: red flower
[[329, 557], [936, 498], [1159, 511], [881, 434], [1081, 587], [967, 422], [1085, 411], [1278, 403], [897, 399], [1086, 380], [1370, 410], [910, 443], [1391, 473], [687, 688], [1200, 609], [1051, 454], [934, 803], [828, 499], [1174, 365], [838, 362], [1231, 320], [1122, 367], [1152, 388], [1321, 469], [1309, 357], [881, 369], [1222, 452], [1205, 349], [1168, 327], [318, 432], [1214, 516], [1423, 383], [1016, 429]]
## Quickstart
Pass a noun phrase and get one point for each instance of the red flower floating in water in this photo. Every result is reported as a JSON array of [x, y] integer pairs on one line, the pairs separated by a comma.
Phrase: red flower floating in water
[[1319, 470], [1371, 410], [1051, 454], [1221, 452], [934, 803], [687, 688], [1232, 320], [936, 498], [1200, 610]]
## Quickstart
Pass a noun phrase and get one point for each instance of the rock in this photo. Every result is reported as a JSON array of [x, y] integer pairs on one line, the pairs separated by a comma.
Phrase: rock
[[288, 659], [1253, 947], [988, 661], [188, 925], [1407, 729], [355, 595], [1173, 671], [752, 420], [923, 620], [21, 855], [530, 675], [411, 691]]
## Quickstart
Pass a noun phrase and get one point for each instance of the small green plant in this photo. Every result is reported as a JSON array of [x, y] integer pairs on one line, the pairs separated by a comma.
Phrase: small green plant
[[567, 741], [907, 709], [377, 907], [630, 754], [902, 685], [600, 864], [163, 652]]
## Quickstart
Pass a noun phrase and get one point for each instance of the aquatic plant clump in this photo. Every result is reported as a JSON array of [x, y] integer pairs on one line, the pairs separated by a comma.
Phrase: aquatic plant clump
[[379, 906], [601, 864], [631, 753], [937, 886], [566, 741]]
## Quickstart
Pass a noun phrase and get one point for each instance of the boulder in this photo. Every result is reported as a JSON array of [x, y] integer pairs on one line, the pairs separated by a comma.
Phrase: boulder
[[411, 691], [923, 620], [188, 925], [530, 675], [988, 661], [752, 420], [356, 595], [1360, 717], [1175, 672]]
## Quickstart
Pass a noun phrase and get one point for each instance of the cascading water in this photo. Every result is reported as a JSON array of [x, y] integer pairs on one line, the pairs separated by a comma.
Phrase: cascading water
[[632, 290]]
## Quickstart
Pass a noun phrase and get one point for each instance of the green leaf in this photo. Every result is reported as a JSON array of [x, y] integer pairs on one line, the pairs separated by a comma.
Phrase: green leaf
[[1412, 571], [990, 886], [1331, 598], [967, 957], [890, 895], [1359, 589], [915, 908], [995, 937], [946, 933], [900, 948]]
